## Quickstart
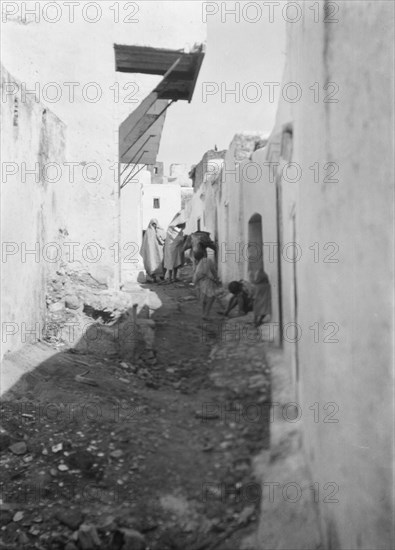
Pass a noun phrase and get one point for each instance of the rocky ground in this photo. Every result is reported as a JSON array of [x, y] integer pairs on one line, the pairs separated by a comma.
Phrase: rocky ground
[[152, 451]]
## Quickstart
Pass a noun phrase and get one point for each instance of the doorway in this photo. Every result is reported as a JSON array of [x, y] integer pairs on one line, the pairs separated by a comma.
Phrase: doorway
[[255, 246]]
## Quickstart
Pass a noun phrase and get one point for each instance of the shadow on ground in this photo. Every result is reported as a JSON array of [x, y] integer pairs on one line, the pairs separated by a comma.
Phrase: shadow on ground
[[141, 434]]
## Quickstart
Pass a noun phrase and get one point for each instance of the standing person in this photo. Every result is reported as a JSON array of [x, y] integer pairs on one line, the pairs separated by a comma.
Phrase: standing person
[[262, 297], [206, 280], [173, 253], [152, 250]]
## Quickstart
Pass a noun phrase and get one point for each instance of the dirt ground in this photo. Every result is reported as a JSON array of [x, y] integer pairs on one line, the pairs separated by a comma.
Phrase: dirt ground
[[98, 452]]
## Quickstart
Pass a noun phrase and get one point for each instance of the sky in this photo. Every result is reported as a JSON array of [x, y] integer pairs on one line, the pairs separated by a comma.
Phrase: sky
[[236, 52]]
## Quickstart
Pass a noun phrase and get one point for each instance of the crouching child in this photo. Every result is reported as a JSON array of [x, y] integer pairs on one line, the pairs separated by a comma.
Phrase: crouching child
[[255, 296]]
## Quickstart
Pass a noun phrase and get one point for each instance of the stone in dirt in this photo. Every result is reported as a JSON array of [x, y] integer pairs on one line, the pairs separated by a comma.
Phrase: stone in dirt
[[70, 546], [70, 518], [246, 514], [152, 384], [5, 517], [207, 415], [85, 380], [117, 453], [107, 524], [5, 440], [19, 448], [128, 539], [23, 539], [72, 302], [81, 460], [18, 516], [57, 306], [88, 538]]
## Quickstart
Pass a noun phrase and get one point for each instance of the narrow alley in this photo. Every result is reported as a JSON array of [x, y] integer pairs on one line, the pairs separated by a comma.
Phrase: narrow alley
[[197, 270]]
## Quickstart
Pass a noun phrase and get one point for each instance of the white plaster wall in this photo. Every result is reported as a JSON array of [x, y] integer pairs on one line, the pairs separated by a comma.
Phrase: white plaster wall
[[355, 293], [259, 197], [131, 227], [32, 214], [203, 204], [169, 196], [195, 211], [231, 236]]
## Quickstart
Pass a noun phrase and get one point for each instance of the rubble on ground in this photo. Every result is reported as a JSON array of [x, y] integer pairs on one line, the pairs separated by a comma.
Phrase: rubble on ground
[[84, 313], [156, 454]]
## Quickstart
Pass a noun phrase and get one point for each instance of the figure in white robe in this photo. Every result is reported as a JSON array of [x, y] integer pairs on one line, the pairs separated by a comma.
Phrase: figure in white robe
[[152, 250]]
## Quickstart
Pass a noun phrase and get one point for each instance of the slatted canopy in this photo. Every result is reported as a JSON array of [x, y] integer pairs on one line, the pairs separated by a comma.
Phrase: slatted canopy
[[180, 82], [141, 131]]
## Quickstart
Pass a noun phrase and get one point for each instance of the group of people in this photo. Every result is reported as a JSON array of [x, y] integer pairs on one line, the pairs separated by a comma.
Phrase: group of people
[[247, 296], [164, 253]]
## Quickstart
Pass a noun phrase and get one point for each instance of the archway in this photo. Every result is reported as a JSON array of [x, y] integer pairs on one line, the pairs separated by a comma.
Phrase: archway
[[255, 246]]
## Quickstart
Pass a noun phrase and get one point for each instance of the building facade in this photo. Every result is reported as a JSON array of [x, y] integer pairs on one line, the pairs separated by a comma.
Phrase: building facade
[[160, 201]]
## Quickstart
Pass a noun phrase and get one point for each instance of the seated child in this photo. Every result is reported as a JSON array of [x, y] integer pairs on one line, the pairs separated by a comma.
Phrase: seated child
[[243, 296]]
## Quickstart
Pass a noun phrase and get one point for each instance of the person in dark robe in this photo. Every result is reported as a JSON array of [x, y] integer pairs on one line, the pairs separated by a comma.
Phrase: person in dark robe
[[173, 248], [262, 297]]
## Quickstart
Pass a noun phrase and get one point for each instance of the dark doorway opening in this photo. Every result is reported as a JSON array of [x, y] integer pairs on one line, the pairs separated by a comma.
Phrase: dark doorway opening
[[255, 246]]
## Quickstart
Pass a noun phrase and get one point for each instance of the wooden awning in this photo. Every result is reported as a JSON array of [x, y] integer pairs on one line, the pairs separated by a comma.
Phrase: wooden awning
[[179, 84], [141, 131]]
